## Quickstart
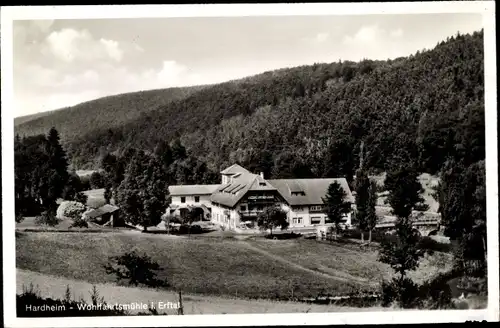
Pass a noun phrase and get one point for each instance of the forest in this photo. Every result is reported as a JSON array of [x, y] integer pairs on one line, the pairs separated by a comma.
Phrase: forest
[[101, 113], [297, 122]]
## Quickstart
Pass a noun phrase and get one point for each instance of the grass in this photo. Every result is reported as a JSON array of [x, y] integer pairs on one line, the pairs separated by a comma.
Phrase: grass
[[344, 260], [95, 197], [55, 287], [263, 269], [348, 261], [215, 266]]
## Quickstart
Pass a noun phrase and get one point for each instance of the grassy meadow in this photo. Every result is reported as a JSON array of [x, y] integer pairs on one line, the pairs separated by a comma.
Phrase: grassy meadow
[[262, 269]]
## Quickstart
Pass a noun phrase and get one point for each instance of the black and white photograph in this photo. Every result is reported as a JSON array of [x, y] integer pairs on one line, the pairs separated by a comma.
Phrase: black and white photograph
[[196, 164]]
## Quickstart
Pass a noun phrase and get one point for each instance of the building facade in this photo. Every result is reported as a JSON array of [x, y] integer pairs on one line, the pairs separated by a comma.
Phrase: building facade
[[242, 196]]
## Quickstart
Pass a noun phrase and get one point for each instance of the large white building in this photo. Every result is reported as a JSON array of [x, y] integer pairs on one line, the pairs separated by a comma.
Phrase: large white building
[[242, 196]]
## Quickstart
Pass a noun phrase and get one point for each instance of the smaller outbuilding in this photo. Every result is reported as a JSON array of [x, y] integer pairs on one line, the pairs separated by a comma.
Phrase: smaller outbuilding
[[108, 215]]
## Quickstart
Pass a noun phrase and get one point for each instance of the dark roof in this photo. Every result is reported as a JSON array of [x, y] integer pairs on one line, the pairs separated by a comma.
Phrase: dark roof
[[233, 169], [230, 194], [101, 211], [314, 189], [192, 190]]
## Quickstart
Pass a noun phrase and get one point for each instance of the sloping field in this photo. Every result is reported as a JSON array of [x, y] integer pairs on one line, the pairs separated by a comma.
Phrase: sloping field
[[55, 287], [347, 262], [213, 266], [207, 266]]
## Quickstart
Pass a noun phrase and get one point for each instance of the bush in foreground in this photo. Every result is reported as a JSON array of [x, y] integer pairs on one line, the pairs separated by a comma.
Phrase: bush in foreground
[[47, 218], [79, 223], [137, 269]]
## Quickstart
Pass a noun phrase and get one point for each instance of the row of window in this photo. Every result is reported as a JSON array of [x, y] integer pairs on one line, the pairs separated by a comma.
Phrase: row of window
[[261, 207], [243, 208], [312, 208], [314, 220], [196, 199]]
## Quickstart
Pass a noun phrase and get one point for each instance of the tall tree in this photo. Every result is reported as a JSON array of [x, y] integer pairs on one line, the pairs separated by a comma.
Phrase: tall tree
[[336, 207], [142, 195], [403, 253], [41, 173], [462, 204], [56, 175], [30, 166], [362, 184], [371, 214]]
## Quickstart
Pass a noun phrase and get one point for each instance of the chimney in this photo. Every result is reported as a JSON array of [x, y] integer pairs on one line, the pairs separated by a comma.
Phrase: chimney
[[262, 175]]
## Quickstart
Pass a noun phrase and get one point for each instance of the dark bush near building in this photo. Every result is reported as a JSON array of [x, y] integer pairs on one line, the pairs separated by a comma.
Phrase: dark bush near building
[[279, 236], [430, 245], [47, 218], [79, 223]]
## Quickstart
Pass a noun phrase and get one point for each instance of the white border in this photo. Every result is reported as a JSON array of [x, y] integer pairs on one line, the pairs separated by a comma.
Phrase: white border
[[487, 8]]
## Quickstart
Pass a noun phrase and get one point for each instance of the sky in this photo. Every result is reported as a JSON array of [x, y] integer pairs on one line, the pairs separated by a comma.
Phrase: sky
[[60, 63]]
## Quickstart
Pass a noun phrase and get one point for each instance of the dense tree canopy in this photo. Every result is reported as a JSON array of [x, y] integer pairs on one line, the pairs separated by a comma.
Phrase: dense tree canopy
[[428, 106], [41, 174], [142, 195]]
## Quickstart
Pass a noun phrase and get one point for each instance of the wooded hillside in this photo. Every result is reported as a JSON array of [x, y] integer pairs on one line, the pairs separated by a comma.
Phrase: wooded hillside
[[102, 113], [307, 121]]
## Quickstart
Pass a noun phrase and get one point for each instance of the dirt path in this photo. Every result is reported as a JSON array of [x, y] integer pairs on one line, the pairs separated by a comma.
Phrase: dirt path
[[325, 271], [55, 287]]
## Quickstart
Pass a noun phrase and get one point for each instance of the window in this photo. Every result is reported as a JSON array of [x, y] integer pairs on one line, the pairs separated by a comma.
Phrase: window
[[297, 220], [315, 220], [262, 184], [196, 199], [243, 208], [183, 199], [316, 208]]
